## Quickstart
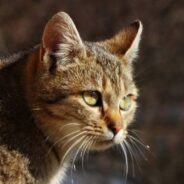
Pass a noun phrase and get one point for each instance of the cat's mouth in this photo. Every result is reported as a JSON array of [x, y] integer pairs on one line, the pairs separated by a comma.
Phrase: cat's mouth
[[117, 138], [110, 139], [102, 144]]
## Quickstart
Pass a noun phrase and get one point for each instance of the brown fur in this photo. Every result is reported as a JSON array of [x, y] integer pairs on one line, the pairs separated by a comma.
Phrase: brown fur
[[44, 120], [15, 168]]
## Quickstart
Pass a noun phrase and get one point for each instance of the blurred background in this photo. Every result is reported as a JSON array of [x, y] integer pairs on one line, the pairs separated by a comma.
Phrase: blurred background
[[159, 72]]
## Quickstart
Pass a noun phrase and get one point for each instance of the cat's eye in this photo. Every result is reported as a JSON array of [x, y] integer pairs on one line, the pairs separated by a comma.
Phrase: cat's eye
[[126, 103], [91, 98]]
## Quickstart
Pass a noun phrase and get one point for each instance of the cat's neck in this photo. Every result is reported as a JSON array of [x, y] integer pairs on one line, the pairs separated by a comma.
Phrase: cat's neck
[[18, 120], [30, 73]]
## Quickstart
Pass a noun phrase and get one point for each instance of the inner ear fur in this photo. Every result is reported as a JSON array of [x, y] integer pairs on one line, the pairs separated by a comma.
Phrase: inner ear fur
[[60, 38]]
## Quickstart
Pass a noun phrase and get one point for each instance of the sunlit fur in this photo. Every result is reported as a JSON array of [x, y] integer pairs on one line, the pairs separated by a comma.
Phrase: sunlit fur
[[57, 73]]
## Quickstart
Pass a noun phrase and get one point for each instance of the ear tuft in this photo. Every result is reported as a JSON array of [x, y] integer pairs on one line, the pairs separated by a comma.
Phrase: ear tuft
[[125, 44]]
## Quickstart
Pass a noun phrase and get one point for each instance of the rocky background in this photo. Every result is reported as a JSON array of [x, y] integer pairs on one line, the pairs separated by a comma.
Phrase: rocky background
[[159, 74]]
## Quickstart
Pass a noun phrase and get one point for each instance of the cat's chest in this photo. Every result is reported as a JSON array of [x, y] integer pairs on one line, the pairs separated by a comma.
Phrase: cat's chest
[[59, 177]]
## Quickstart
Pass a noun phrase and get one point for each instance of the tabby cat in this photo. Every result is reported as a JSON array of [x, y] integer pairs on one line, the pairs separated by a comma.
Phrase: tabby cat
[[62, 98]]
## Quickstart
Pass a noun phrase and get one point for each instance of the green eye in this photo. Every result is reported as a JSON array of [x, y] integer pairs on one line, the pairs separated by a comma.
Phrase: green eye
[[91, 98], [125, 103]]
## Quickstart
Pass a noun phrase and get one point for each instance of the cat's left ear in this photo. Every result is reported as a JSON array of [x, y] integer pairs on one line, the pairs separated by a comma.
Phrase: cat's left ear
[[125, 44], [60, 40]]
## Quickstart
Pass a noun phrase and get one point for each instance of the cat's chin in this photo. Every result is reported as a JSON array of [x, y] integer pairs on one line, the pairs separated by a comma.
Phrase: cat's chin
[[115, 140], [102, 145]]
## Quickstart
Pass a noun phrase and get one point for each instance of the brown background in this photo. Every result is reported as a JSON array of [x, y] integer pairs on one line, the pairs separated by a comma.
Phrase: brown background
[[159, 74]]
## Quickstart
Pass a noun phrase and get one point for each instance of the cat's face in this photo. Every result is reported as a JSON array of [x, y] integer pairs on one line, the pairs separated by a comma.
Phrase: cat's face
[[84, 94]]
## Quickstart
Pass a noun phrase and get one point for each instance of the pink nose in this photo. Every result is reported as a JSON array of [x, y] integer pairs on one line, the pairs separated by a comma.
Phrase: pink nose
[[115, 129]]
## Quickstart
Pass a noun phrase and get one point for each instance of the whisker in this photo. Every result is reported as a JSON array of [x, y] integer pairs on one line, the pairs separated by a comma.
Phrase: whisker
[[68, 124], [138, 140], [126, 160], [93, 141], [74, 132], [131, 155], [137, 147], [88, 142], [86, 146], [80, 148], [72, 138], [70, 148], [60, 140], [141, 143], [138, 134], [75, 155]]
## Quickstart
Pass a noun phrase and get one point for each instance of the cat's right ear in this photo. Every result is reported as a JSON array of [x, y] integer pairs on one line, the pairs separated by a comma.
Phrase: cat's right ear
[[60, 41]]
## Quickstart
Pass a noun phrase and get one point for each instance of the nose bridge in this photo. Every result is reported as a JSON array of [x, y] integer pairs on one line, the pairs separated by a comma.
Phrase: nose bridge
[[110, 94], [113, 117]]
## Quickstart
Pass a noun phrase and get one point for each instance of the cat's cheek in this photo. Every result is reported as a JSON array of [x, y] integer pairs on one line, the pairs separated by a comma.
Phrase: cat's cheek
[[129, 116]]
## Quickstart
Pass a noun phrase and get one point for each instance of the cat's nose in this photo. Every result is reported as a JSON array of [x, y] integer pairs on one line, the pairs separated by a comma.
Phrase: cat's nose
[[113, 120], [113, 127]]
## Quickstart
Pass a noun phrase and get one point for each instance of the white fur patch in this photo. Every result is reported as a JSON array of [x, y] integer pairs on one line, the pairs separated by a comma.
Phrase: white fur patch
[[60, 175], [120, 136]]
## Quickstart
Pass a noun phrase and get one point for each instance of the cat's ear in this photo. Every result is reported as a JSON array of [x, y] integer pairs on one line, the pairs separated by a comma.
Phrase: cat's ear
[[125, 44], [60, 39]]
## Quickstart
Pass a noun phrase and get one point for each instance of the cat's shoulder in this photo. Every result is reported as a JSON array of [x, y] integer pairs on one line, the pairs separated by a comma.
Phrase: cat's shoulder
[[14, 167], [13, 58]]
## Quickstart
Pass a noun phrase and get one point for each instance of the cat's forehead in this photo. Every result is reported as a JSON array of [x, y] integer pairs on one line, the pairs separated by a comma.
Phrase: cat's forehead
[[107, 60], [97, 70], [111, 66], [113, 69]]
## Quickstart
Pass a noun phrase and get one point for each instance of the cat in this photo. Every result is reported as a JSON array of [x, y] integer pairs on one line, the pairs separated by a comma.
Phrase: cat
[[62, 98]]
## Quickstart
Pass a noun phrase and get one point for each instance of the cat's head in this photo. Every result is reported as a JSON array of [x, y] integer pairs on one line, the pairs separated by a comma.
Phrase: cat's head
[[83, 93]]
